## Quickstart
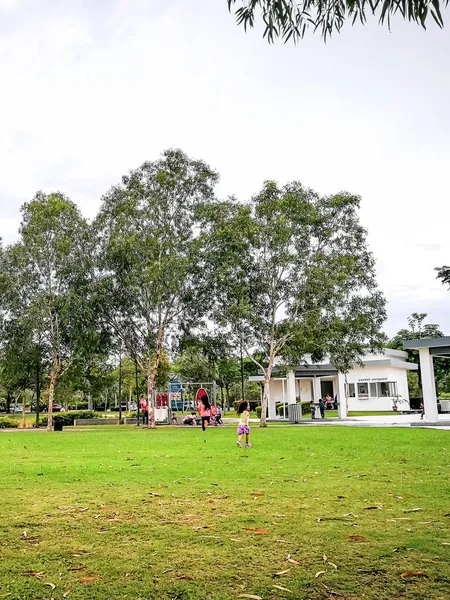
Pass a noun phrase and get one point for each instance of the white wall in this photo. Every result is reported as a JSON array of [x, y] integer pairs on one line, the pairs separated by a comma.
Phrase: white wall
[[357, 375], [373, 374]]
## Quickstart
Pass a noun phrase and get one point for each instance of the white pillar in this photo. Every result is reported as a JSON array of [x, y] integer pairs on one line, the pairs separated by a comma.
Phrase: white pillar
[[342, 401], [317, 393], [428, 385], [271, 405], [291, 399]]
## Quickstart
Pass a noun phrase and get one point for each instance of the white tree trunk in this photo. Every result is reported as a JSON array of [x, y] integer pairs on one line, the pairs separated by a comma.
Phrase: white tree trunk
[[51, 397]]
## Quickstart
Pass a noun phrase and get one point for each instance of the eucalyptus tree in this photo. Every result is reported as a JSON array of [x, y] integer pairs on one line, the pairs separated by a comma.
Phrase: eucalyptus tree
[[290, 19], [150, 257], [293, 275], [48, 278]]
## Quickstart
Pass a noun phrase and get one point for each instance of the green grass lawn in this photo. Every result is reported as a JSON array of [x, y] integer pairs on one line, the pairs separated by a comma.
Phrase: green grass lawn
[[123, 513]]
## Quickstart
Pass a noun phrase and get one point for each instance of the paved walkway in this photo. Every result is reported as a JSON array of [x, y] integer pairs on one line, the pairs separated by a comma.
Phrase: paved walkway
[[393, 420]]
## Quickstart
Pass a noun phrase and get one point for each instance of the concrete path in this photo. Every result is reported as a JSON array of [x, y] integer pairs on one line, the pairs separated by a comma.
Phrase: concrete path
[[394, 420]]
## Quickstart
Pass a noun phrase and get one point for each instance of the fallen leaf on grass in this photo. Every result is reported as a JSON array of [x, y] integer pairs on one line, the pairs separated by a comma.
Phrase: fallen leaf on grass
[[66, 594], [36, 574], [325, 558], [409, 510], [234, 540], [256, 531], [24, 534], [355, 538], [319, 573], [283, 589], [373, 507], [182, 576], [446, 543], [250, 596], [411, 574], [429, 560], [51, 585], [280, 573], [77, 568], [292, 561], [333, 565], [256, 494], [87, 579]]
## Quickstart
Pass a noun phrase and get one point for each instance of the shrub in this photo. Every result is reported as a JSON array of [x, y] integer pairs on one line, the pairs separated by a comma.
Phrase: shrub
[[6, 423], [68, 418], [306, 409]]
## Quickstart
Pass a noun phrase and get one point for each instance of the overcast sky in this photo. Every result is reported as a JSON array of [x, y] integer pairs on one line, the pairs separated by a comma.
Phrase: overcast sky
[[90, 90]]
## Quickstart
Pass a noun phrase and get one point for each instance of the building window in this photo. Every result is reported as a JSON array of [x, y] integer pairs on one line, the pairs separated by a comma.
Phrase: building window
[[363, 390], [387, 389], [373, 390], [351, 390]]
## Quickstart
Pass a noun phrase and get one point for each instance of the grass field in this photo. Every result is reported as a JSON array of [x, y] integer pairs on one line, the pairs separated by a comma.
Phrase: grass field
[[123, 513]]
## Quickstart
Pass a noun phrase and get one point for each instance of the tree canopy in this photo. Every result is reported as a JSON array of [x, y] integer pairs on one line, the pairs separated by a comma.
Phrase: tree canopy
[[170, 281], [290, 19], [292, 276]]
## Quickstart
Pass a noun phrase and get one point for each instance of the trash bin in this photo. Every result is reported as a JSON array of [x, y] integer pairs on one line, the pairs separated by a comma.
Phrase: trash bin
[[294, 413], [58, 424]]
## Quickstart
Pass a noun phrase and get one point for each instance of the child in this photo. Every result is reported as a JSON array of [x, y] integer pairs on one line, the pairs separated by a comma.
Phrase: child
[[243, 427], [204, 409], [219, 415]]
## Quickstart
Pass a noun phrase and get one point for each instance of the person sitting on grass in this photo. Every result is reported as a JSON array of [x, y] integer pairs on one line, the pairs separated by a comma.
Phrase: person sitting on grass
[[243, 427], [190, 419]]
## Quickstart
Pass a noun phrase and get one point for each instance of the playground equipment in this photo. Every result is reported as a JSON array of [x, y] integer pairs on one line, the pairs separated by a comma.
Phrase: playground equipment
[[182, 397]]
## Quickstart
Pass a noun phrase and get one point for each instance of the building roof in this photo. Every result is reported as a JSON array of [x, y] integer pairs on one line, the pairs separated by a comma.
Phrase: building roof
[[389, 358], [437, 346]]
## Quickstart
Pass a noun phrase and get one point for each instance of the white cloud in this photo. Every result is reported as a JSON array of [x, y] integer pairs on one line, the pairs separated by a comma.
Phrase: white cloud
[[90, 90]]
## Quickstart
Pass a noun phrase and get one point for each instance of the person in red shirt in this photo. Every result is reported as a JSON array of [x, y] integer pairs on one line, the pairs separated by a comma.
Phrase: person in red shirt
[[143, 404], [204, 410]]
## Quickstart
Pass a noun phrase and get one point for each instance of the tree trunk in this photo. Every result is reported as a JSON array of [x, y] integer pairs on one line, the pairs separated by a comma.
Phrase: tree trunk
[[151, 379], [8, 402], [51, 396], [266, 393], [38, 390], [24, 419]]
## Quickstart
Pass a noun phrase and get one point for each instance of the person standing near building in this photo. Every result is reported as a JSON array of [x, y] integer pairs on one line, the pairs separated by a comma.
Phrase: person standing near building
[[143, 404], [322, 408]]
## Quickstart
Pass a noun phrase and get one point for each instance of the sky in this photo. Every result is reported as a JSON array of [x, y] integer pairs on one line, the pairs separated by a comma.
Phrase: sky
[[90, 90]]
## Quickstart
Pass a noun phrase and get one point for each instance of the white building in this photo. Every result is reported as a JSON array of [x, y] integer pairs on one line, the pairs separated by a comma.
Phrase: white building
[[371, 387]]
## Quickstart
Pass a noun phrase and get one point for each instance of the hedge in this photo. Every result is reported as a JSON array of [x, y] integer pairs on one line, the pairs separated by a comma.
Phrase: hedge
[[306, 409], [6, 423], [68, 418]]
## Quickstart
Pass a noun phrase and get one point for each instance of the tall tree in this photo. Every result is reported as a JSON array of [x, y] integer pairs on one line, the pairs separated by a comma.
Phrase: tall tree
[[290, 19], [48, 279], [150, 256], [295, 277]]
